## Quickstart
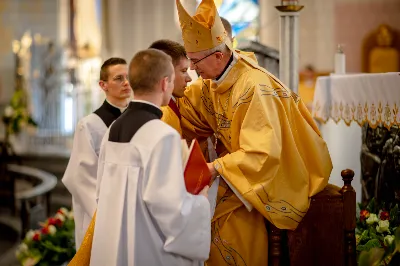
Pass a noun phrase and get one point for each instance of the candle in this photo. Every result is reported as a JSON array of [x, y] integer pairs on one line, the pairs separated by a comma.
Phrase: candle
[[290, 2]]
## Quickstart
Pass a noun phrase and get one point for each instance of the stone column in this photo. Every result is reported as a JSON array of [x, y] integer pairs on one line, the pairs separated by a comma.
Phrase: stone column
[[289, 43]]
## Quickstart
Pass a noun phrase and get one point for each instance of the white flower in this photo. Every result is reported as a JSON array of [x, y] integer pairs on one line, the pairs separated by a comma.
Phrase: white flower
[[372, 219], [8, 111], [388, 240], [60, 216], [71, 215], [383, 226], [29, 235], [22, 248], [52, 229], [64, 211]]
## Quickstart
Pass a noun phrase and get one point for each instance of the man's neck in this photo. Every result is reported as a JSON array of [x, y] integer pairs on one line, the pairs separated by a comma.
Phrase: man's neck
[[228, 61], [119, 103], [148, 98]]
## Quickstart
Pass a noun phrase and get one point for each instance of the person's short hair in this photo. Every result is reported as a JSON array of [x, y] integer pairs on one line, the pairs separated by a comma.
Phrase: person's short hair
[[174, 49], [110, 62], [147, 68], [227, 26]]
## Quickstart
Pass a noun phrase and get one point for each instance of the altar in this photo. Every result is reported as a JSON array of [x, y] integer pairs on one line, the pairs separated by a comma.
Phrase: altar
[[358, 116]]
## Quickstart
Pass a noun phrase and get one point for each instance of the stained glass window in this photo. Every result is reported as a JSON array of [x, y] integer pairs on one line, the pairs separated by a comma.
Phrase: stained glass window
[[243, 15]]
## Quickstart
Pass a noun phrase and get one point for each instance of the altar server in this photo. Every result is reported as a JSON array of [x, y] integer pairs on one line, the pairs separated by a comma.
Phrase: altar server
[[81, 173]]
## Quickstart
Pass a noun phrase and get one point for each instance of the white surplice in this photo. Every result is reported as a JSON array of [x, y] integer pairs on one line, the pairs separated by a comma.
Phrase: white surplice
[[145, 216], [81, 173]]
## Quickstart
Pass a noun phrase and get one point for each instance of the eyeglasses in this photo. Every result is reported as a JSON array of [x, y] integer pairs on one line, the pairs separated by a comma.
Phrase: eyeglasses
[[195, 62]]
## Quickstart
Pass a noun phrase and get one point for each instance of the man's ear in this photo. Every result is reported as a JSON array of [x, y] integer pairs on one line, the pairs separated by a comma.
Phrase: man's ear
[[103, 85], [164, 84], [219, 55]]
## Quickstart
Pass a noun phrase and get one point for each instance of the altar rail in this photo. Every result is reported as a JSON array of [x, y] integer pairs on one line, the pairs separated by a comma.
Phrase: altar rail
[[44, 183]]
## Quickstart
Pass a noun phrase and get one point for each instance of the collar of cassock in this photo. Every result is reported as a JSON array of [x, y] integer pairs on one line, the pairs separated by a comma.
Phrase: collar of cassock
[[146, 106], [113, 109]]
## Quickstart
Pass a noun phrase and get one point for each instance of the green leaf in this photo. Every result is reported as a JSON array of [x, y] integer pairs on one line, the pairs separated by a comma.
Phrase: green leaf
[[397, 239], [373, 243], [394, 213], [372, 257], [372, 207], [49, 245]]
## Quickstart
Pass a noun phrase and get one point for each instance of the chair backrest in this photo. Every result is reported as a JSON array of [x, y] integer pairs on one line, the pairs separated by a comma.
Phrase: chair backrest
[[325, 236]]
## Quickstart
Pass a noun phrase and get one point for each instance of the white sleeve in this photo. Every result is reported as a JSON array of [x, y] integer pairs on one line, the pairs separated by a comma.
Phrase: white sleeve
[[183, 218], [100, 168], [80, 175]]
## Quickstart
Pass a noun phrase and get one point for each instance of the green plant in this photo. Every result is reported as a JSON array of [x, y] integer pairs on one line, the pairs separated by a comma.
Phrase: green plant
[[16, 115], [377, 234], [52, 244]]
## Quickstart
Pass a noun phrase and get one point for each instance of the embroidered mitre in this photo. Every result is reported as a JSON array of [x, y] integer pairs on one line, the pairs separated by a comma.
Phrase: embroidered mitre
[[204, 30]]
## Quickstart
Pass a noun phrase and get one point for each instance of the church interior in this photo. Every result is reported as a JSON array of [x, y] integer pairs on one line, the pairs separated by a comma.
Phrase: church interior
[[342, 57]]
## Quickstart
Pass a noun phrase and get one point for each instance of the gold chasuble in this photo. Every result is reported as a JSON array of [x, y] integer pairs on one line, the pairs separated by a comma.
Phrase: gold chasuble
[[275, 158], [171, 116]]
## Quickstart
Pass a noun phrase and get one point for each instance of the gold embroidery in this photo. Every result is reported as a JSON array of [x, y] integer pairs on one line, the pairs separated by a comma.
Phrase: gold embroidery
[[372, 113]]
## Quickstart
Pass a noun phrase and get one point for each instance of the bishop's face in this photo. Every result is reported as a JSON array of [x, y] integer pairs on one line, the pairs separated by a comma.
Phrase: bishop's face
[[117, 85], [181, 77], [207, 65]]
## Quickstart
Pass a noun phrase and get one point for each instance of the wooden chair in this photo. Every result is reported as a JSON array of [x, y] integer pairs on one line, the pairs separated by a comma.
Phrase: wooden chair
[[326, 235]]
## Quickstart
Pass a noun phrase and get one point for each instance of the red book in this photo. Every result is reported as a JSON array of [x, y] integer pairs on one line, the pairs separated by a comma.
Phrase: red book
[[195, 168]]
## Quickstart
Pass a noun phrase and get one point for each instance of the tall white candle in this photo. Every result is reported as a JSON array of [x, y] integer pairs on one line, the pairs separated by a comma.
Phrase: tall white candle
[[340, 61]]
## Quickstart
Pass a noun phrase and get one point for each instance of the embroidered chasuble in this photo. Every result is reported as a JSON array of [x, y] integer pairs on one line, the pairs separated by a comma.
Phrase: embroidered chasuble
[[274, 158], [172, 117]]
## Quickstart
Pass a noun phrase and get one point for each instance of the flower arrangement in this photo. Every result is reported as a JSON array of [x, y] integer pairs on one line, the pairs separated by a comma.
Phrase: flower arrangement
[[16, 115], [52, 244], [377, 228]]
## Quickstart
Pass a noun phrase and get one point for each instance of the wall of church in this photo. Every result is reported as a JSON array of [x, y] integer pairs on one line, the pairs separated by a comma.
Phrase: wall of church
[[364, 17], [133, 27], [16, 17], [324, 24]]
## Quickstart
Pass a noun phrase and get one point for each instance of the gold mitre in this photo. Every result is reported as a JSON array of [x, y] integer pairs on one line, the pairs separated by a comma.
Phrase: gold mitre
[[204, 30]]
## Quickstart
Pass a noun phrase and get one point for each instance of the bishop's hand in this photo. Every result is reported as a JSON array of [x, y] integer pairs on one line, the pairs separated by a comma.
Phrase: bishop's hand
[[213, 171], [204, 191]]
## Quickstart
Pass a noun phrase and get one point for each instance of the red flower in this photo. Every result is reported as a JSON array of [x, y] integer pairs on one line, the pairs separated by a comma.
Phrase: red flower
[[36, 237], [384, 215], [58, 222], [364, 214], [55, 222], [51, 221], [45, 230]]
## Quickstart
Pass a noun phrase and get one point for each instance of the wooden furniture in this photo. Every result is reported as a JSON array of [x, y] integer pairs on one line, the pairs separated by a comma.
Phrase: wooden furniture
[[43, 182], [326, 235]]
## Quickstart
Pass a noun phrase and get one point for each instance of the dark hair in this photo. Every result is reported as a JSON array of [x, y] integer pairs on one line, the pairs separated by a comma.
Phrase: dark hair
[[110, 62], [227, 26], [147, 68], [174, 49]]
